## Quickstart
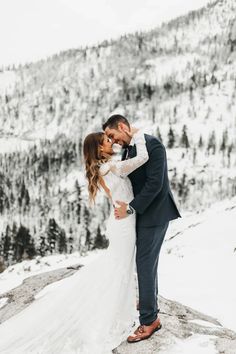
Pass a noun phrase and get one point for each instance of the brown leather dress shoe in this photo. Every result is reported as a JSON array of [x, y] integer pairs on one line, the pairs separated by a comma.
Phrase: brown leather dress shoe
[[144, 331]]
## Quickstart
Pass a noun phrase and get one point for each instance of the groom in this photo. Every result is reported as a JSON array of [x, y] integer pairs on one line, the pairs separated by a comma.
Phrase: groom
[[155, 206]]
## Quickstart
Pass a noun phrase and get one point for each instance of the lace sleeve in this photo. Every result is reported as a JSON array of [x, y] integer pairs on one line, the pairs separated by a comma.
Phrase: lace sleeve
[[124, 168]]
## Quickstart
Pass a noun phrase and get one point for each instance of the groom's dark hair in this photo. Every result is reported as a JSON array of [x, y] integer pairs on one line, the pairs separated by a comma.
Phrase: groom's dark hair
[[113, 121]]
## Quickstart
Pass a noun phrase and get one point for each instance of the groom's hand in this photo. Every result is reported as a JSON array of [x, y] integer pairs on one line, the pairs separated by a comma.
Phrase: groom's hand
[[120, 212]]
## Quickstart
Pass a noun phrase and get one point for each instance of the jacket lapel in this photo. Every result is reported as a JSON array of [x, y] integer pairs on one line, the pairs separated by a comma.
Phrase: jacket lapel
[[123, 156], [132, 152]]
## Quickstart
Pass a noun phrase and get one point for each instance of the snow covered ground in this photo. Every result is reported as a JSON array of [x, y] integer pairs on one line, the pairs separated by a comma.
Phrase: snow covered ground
[[14, 275], [197, 265], [196, 344]]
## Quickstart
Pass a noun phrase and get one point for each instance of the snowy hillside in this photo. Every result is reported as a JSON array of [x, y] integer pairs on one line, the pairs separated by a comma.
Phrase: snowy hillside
[[177, 81]]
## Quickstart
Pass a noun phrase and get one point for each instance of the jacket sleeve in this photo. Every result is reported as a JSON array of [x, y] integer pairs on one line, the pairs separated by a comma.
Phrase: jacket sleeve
[[155, 176], [124, 168]]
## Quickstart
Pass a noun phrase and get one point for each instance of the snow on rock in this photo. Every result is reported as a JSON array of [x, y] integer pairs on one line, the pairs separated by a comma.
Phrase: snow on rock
[[3, 301], [196, 344], [14, 275], [182, 332], [203, 323]]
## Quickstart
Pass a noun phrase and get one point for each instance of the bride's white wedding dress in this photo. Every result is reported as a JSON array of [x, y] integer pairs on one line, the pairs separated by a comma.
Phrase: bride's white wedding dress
[[92, 311]]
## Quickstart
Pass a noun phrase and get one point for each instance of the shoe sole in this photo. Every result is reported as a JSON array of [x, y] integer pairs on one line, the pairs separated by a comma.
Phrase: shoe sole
[[140, 339]]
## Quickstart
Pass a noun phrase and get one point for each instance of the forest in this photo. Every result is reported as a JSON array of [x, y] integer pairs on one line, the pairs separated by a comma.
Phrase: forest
[[179, 86]]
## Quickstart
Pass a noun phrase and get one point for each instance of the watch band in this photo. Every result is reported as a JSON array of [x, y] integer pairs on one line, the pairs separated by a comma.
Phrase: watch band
[[130, 210]]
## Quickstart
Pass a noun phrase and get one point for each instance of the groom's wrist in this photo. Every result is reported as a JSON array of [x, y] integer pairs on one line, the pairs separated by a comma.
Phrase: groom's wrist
[[130, 210]]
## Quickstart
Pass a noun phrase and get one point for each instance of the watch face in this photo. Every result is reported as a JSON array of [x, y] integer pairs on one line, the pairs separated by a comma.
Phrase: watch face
[[129, 211]]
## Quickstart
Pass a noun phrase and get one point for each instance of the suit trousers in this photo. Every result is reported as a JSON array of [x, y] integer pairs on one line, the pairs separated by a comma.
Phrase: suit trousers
[[149, 241]]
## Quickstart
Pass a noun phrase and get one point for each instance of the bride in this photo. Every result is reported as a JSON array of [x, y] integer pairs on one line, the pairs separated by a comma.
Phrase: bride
[[93, 310]]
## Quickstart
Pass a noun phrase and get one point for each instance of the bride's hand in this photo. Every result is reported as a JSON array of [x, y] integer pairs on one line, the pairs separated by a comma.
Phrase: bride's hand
[[131, 132]]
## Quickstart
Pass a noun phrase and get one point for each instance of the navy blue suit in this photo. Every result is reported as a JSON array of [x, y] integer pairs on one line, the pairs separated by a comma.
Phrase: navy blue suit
[[155, 207]]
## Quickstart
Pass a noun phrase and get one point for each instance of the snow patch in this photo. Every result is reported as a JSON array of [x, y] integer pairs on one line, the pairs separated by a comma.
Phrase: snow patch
[[14, 275], [3, 301], [204, 323], [196, 344], [196, 263]]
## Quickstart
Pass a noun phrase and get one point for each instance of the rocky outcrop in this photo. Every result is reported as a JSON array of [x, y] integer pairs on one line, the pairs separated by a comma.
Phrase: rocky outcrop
[[179, 322], [21, 296]]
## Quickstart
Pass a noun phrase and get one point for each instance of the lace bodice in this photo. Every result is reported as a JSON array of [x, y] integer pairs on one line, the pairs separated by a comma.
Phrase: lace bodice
[[115, 173]]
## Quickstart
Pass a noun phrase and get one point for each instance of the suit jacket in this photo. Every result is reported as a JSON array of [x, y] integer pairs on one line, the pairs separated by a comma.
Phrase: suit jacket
[[153, 200]]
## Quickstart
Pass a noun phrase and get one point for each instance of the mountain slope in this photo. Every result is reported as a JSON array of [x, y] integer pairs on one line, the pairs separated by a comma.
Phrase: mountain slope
[[177, 82]]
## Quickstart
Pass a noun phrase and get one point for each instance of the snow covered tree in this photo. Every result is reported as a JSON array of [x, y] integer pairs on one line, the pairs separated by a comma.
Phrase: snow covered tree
[[56, 237], [52, 234], [158, 133], [171, 139], [86, 222], [194, 155], [211, 147], [78, 201], [62, 242], [229, 150], [224, 141], [200, 142], [184, 142], [23, 244], [43, 246], [100, 240], [183, 188], [7, 242]]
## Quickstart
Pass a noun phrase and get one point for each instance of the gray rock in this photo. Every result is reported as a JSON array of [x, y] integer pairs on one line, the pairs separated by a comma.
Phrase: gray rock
[[176, 318], [176, 323]]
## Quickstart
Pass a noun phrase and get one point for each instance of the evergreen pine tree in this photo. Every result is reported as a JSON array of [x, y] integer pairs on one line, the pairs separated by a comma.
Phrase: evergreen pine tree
[[200, 142], [194, 155], [43, 247], [153, 114], [78, 201], [22, 243], [212, 143], [1, 198], [88, 240], [174, 181], [229, 150], [53, 233], [183, 188], [224, 141], [171, 139], [184, 142], [158, 133], [62, 242], [100, 240], [31, 250], [7, 242]]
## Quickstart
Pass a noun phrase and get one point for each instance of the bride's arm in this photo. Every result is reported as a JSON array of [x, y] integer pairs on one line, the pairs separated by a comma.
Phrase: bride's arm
[[124, 168]]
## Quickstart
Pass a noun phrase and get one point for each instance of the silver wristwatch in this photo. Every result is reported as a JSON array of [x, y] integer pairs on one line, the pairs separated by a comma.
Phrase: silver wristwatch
[[129, 210]]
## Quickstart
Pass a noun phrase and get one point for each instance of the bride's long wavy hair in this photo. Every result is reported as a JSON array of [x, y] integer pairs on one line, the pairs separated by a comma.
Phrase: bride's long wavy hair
[[93, 157]]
